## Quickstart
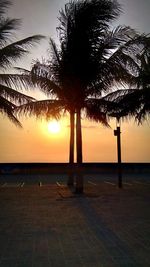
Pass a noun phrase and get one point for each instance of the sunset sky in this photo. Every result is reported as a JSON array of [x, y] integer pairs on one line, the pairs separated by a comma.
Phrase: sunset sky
[[36, 142]]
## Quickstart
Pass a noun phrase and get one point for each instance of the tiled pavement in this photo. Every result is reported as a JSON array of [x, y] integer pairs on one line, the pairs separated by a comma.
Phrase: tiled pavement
[[48, 227]]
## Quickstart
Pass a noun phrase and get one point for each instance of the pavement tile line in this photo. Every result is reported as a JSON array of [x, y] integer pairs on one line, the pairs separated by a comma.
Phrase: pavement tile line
[[116, 249], [92, 183], [142, 183], [127, 183], [11, 185], [36, 230], [59, 184], [107, 182]]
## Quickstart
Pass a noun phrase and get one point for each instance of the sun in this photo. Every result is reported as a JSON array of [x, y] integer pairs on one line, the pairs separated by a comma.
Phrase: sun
[[53, 127]]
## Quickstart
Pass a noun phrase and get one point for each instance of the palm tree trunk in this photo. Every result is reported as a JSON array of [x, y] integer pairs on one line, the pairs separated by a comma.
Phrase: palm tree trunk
[[70, 181], [79, 177], [79, 137], [71, 154]]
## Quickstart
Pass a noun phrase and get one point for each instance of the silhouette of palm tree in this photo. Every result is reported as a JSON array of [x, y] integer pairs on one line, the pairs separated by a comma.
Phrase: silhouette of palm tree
[[62, 77], [9, 53], [91, 60], [135, 102], [97, 58]]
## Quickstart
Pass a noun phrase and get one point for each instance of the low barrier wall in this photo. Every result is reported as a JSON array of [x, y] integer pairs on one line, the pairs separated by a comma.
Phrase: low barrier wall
[[29, 168]]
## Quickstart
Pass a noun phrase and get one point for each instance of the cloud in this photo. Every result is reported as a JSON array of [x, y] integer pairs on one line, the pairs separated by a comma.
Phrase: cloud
[[86, 126], [89, 127]]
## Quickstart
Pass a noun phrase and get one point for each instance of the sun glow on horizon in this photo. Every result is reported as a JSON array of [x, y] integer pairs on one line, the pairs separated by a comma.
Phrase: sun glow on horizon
[[53, 127]]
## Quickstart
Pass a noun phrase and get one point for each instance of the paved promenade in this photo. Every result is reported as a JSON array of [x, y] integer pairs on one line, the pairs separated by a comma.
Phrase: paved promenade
[[47, 226]]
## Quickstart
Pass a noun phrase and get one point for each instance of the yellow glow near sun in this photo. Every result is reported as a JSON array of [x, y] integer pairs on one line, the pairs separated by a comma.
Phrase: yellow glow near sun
[[53, 127]]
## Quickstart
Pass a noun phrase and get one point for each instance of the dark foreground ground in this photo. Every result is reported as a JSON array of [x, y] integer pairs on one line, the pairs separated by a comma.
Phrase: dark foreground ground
[[47, 226]]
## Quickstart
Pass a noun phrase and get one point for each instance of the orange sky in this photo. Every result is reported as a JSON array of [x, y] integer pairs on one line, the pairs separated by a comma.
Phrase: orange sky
[[34, 143]]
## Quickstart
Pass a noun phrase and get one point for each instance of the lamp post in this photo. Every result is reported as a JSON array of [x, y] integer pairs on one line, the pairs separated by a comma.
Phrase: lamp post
[[117, 134]]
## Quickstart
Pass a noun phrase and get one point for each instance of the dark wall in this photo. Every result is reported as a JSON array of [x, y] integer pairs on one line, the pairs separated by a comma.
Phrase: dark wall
[[29, 168]]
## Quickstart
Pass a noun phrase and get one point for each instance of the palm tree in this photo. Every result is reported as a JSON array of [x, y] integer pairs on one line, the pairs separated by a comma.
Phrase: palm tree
[[53, 80], [62, 81], [97, 58], [92, 59], [9, 53]]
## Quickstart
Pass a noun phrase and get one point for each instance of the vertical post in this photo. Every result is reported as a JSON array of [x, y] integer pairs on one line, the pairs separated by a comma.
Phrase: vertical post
[[117, 134]]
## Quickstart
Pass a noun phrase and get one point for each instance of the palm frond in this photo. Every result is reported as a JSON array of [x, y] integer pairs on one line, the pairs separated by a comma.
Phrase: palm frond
[[96, 109], [22, 70], [14, 51], [87, 15], [14, 96], [82, 26], [30, 80], [7, 108], [143, 114], [111, 40], [42, 109], [135, 104], [117, 95], [4, 4], [41, 76], [47, 86], [119, 68], [7, 28], [97, 116], [9, 53], [143, 79], [123, 64], [18, 81], [54, 49]]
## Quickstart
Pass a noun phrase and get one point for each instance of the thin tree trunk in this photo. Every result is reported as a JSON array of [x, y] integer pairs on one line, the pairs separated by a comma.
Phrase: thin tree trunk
[[79, 137], [70, 181], [79, 177]]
